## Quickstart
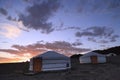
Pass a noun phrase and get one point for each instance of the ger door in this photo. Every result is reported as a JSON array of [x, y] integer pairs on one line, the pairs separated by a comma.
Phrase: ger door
[[37, 64]]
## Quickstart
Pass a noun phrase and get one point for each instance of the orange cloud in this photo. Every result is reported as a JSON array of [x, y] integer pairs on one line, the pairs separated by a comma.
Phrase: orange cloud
[[8, 57], [24, 53], [9, 60]]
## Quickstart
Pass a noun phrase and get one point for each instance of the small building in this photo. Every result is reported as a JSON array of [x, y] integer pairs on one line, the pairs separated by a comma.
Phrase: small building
[[49, 61], [92, 57], [113, 58], [75, 60]]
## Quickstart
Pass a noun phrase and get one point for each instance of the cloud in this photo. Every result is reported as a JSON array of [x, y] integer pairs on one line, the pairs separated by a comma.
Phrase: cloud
[[114, 37], [3, 11], [24, 53], [6, 60], [38, 15], [10, 31], [12, 19], [26, 0], [77, 43], [60, 46], [21, 26], [95, 31], [91, 39], [99, 6], [7, 55], [98, 34], [4, 42], [16, 59], [37, 48], [103, 41], [113, 4], [67, 28], [11, 51], [11, 55]]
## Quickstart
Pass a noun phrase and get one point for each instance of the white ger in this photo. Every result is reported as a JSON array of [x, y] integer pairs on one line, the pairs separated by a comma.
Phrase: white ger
[[49, 61], [92, 57]]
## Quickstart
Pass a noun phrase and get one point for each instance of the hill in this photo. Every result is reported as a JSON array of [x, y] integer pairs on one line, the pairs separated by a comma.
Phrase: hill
[[115, 50]]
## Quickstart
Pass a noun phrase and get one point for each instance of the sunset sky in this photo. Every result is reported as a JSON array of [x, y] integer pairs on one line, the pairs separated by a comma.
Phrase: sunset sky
[[31, 27]]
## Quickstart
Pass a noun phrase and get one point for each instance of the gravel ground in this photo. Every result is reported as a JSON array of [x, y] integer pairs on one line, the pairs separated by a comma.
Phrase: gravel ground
[[80, 72]]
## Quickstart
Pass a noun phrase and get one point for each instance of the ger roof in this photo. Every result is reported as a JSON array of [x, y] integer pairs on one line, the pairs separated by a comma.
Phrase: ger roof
[[92, 54], [52, 55]]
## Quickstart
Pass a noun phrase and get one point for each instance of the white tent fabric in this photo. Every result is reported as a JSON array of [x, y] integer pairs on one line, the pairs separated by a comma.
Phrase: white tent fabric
[[111, 54], [92, 54], [86, 58], [52, 60], [52, 55]]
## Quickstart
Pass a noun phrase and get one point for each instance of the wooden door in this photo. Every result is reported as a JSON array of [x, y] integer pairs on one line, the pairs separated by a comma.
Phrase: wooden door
[[37, 64], [94, 59]]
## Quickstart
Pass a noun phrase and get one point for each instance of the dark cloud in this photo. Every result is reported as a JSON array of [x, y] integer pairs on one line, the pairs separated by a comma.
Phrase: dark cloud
[[38, 15], [37, 48], [114, 38], [88, 6], [62, 24], [58, 45], [41, 41], [3, 11], [12, 19], [68, 28], [9, 18], [98, 34], [91, 39], [32, 1], [98, 41], [113, 4], [95, 31], [26, 0], [103, 45], [77, 43], [103, 41]]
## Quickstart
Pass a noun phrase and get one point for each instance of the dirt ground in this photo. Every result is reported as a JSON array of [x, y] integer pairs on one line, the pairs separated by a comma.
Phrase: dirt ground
[[80, 72]]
